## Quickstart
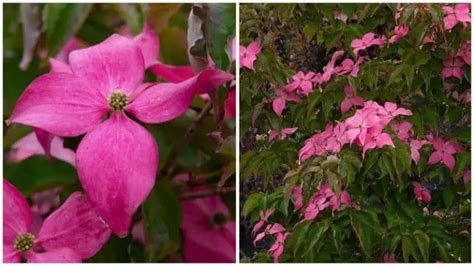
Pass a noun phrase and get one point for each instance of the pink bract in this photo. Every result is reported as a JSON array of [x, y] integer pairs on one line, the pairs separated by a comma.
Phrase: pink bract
[[248, 55], [443, 152], [460, 13], [106, 79], [206, 238], [70, 234], [421, 193], [452, 67]]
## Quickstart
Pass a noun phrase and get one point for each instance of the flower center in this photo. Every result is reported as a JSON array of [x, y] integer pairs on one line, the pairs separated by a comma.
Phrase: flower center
[[118, 100], [220, 219], [24, 242]]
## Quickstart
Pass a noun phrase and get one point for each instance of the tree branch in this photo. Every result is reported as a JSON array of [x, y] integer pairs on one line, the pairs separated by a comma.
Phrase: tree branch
[[205, 193], [170, 164]]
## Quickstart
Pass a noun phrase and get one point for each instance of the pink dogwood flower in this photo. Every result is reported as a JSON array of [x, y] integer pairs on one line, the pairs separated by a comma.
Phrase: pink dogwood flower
[[70, 234], [359, 124], [421, 193], [264, 215], [400, 32], [248, 54], [460, 13], [390, 111], [402, 129], [350, 100], [117, 159], [443, 152], [271, 229], [452, 67], [209, 236], [283, 134], [316, 145], [465, 52], [338, 138], [365, 42], [415, 146], [301, 83], [376, 138], [277, 248], [283, 96], [29, 146]]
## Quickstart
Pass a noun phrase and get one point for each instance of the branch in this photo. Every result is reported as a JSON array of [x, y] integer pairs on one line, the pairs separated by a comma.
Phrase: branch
[[170, 164], [206, 193]]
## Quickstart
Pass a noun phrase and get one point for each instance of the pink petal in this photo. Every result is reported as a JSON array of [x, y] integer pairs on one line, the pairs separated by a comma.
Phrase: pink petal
[[346, 198], [173, 74], [357, 101], [257, 227], [384, 139], [368, 38], [116, 63], [29, 146], [16, 213], [435, 157], [306, 87], [10, 255], [277, 253], [254, 48], [65, 255], [345, 105], [72, 44], [356, 43], [449, 161], [278, 105], [273, 134], [61, 104], [117, 164], [258, 238], [149, 44], [449, 22], [166, 101], [296, 192], [415, 155], [289, 130], [74, 225], [58, 66], [229, 105], [44, 139], [276, 228], [349, 91], [211, 246]]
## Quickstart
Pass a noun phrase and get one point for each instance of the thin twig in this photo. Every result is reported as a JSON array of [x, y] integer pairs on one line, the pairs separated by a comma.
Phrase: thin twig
[[170, 164], [206, 193]]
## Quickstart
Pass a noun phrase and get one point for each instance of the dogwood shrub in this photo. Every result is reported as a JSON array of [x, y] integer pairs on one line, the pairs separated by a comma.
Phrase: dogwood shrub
[[355, 132], [96, 111]]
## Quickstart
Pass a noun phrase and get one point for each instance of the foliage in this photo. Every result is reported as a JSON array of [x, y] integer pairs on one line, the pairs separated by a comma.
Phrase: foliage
[[303, 37]]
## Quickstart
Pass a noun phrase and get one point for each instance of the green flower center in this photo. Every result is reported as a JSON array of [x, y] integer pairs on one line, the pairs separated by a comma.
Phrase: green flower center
[[24, 242], [117, 100]]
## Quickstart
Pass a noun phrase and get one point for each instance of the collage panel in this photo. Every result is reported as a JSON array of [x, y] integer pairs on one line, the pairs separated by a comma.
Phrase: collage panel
[[119, 135], [355, 132]]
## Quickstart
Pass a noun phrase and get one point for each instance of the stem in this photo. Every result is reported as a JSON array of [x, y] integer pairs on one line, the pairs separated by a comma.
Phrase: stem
[[170, 164], [206, 193]]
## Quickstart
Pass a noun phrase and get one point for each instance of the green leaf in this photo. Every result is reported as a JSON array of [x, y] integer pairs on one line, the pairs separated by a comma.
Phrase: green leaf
[[61, 22], [161, 221], [221, 28], [423, 242], [409, 248], [315, 234], [252, 202], [37, 173], [115, 250]]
